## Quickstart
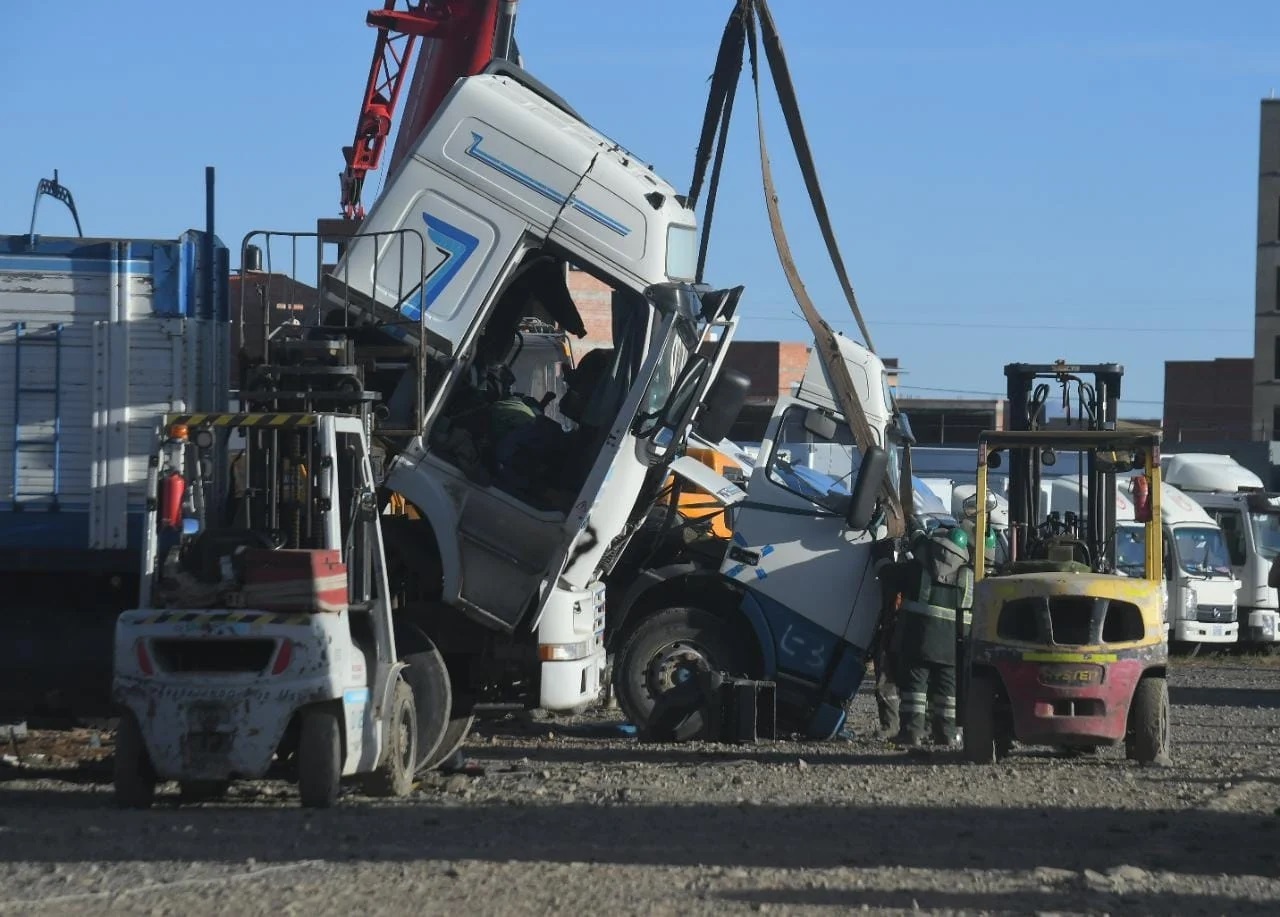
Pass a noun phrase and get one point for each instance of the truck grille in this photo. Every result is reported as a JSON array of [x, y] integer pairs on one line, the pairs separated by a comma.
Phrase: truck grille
[[1215, 614]]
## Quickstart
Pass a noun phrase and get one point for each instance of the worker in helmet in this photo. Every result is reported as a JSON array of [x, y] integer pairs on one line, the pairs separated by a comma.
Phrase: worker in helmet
[[939, 587]]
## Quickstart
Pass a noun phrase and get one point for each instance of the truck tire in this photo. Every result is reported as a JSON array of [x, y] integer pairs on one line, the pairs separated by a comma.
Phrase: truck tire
[[1147, 739], [135, 777], [428, 678], [981, 741], [665, 650], [399, 760], [319, 756]]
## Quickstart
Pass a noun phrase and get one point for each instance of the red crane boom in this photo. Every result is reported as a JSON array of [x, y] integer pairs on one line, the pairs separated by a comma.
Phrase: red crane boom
[[460, 36]]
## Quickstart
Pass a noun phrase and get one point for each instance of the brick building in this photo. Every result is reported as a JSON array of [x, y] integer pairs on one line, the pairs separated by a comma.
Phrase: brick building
[[1209, 400]]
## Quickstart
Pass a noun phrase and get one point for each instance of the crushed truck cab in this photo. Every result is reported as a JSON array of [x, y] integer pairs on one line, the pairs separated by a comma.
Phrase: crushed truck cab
[[792, 596]]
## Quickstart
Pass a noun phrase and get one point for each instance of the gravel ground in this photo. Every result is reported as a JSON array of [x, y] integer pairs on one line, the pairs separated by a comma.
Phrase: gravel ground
[[569, 814]]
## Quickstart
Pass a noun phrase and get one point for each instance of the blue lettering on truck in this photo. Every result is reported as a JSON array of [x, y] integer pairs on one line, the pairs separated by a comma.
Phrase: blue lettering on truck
[[453, 246]]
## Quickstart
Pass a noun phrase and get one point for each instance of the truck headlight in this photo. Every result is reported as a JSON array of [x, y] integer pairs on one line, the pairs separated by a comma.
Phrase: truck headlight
[[1190, 603], [564, 652]]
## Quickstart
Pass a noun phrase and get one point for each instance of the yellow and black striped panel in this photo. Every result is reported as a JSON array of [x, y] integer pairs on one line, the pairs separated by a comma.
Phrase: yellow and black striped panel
[[242, 420], [252, 618]]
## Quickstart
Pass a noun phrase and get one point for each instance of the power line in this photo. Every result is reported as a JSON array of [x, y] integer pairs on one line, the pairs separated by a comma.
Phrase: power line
[[1014, 327]]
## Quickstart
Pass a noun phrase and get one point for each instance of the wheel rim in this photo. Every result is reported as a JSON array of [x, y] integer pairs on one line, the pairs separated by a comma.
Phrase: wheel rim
[[674, 665], [405, 738]]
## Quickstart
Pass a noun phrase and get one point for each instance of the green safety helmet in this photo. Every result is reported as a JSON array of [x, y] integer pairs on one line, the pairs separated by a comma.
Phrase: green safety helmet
[[959, 537], [991, 539]]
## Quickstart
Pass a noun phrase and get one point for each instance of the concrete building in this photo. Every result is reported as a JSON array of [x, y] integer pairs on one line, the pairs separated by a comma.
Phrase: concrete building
[[1266, 345]]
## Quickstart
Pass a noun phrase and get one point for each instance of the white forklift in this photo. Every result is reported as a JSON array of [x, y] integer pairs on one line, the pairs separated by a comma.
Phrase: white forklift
[[264, 637]]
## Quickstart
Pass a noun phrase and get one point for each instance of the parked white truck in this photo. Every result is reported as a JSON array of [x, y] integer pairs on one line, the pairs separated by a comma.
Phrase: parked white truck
[[1237, 500]]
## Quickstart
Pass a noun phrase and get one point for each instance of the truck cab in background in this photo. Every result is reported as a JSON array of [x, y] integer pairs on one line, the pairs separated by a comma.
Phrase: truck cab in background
[[1201, 607], [1250, 521]]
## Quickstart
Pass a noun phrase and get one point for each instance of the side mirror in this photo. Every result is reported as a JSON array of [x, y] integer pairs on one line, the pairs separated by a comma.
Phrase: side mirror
[[723, 405], [820, 424], [994, 459], [1048, 458], [866, 488], [905, 433]]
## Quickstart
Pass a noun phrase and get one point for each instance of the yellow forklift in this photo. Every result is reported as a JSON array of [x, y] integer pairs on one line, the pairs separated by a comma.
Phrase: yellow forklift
[[1064, 649]]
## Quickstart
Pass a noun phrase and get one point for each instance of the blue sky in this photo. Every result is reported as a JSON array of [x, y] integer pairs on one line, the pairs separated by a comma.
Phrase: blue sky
[[999, 174]]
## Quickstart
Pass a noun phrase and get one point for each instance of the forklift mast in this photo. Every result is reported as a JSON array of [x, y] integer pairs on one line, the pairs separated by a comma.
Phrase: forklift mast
[[1090, 396]]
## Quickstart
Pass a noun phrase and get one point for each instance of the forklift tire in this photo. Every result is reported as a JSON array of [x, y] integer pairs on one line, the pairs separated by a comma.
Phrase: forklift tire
[[399, 759], [191, 792], [135, 777], [1147, 740], [981, 744], [428, 679], [319, 756], [664, 651]]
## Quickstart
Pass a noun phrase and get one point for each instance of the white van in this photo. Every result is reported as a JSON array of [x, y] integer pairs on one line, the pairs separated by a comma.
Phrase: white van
[[1250, 520]]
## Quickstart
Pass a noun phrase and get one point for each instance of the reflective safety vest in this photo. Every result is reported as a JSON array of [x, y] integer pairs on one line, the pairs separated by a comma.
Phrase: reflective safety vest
[[927, 620]]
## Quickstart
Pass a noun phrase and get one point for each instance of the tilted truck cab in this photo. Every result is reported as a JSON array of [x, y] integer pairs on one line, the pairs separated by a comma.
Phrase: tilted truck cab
[[509, 537]]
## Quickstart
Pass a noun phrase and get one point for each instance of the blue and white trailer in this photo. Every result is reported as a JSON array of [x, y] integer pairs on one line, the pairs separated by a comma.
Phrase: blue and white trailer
[[98, 339]]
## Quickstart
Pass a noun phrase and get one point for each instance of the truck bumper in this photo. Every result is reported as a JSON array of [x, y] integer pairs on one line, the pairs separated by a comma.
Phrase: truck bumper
[[572, 684], [1197, 632], [1051, 707]]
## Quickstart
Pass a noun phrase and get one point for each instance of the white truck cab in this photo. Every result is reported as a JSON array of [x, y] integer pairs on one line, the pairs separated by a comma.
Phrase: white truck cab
[[1201, 588], [1250, 520], [516, 518]]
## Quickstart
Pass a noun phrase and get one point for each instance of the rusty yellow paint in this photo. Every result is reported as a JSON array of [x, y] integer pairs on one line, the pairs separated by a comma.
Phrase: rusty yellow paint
[[992, 593], [1069, 657]]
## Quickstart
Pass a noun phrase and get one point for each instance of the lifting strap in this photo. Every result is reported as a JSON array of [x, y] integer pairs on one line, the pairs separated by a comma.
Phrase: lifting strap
[[740, 31]]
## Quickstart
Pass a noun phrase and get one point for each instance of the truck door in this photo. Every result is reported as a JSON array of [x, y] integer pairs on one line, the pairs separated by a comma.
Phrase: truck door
[[811, 577]]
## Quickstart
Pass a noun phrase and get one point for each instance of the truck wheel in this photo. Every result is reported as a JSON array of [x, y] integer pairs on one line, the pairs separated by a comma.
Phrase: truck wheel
[[191, 792], [1147, 739], [135, 777], [394, 776], [319, 757], [428, 678], [666, 651], [981, 743]]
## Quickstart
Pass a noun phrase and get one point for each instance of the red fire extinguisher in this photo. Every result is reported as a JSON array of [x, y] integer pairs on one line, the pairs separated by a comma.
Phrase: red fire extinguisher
[[1142, 499], [172, 488]]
